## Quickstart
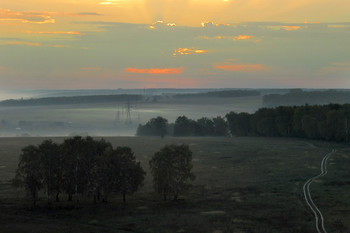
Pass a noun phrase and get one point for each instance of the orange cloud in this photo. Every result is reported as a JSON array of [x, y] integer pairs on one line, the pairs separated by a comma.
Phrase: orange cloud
[[111, 3], [161, 24], [25, 17], [89, 14], [90, 68], [242, 37], [209, 24], [56, 46], [155, 70], [291, 28], [239, 37], [338, 26], [35, 44], [23, 43], [156, 81], [187, 51], [242, 67], [56, 32], [337, 66]]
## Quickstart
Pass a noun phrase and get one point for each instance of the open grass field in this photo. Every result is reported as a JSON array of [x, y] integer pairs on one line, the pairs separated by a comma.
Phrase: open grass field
[[243, 185]]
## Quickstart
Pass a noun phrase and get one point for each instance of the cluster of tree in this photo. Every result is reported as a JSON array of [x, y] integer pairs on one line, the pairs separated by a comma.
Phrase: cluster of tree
[[78, 166], [300, 97], [171, 169], [327, 122], [184, 126], [221, 94], [84, 166], [154, 127], [71, 100]]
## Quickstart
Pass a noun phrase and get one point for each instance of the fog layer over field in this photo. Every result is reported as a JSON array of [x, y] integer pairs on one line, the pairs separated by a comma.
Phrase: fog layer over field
[[119, 118], [119, 112]]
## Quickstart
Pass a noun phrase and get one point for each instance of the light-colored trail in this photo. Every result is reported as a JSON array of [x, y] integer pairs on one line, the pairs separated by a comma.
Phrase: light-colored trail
[[319, 219]]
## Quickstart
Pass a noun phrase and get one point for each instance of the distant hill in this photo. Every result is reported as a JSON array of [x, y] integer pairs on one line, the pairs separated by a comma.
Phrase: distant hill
[[221, 94], [300, 97], [70, 100]]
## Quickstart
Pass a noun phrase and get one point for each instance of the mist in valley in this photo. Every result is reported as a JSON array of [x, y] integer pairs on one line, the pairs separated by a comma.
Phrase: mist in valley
[[119, 112], [119, 118]]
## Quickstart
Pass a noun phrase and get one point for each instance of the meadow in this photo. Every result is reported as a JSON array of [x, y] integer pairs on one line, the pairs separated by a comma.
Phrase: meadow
[[242, 185]]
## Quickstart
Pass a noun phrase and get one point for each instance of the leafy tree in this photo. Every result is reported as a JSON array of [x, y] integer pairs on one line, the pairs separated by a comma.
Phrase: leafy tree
[[297, 121], [79, 166], [239, 124], [310, 126], [284, 121], [28, 173], [335, 125], [264, 120], [322, 129], [72, 156], [107, 174], [184, 126], [91, 151], [171, 169], [51, 167], [119, 172], [204, 127], [131, 174], [154, 127], [220, 126], [80, 161]]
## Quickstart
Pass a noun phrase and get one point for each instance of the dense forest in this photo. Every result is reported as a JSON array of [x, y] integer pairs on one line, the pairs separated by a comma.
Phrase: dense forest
[[71, 100], [221, 94], [300, 97], [327, 122]]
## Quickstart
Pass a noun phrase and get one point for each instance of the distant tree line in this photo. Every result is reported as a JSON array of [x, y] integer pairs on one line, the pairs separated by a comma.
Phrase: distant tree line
[[184, 126], [300, 97], [87, 167], [326, 122], [89, 99], [71, 100], [221, 94]]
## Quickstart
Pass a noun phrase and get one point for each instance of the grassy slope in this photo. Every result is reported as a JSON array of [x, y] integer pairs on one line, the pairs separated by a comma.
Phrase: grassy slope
[[242, 185]]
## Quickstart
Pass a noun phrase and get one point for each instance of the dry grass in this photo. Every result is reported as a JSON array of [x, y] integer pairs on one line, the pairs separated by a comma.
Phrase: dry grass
[[242, 185]]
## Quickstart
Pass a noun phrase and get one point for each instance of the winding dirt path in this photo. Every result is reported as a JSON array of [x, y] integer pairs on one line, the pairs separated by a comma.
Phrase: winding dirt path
[[319, 219]]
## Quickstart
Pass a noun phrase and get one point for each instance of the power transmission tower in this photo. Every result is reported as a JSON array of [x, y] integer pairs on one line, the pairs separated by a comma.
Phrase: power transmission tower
[[128, 112], [117, 116]]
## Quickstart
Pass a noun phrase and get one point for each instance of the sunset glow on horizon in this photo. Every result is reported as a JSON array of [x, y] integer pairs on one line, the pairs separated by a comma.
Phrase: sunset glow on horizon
[[251, 43]]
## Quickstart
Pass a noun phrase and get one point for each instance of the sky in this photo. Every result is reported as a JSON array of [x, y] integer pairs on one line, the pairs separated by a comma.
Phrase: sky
[[109, 44]]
